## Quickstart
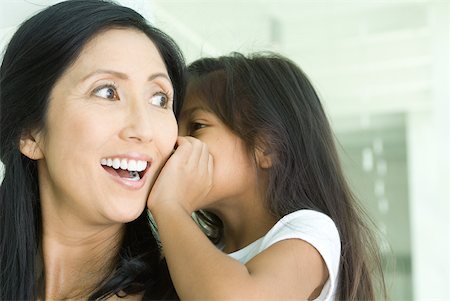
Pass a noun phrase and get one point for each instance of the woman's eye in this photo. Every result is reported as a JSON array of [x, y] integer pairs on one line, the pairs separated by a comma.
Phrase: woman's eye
[[160, 99], [107, 92]]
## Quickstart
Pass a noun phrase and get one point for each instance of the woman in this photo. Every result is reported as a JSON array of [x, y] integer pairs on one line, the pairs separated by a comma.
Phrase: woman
[[88, 97]]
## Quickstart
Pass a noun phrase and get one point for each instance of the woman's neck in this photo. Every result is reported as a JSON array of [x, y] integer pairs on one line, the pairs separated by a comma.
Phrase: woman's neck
[[76, 260]]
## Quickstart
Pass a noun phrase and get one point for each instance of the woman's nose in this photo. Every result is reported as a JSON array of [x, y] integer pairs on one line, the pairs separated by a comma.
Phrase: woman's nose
[[138, 125]]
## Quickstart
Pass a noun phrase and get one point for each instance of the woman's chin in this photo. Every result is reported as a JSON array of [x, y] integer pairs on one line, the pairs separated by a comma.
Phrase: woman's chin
[[126, 214]]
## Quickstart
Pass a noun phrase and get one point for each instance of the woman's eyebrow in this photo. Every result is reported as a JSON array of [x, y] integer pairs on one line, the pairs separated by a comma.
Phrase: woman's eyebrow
[[102, 71], [160, 74], [123, 75]]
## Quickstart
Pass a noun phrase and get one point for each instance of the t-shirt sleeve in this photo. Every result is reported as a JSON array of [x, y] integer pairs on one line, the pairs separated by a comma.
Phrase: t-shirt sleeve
[[317, 229]]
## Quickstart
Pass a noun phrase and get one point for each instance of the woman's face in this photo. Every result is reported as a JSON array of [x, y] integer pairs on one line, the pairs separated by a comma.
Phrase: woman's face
[[109, 129]]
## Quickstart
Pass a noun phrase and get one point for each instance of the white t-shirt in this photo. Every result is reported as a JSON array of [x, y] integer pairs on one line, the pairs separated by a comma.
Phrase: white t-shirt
[[311, 226]]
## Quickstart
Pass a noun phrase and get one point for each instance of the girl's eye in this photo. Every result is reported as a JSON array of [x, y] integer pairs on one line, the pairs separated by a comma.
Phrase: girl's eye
[[195, 126], [160, 99], [107, 92]]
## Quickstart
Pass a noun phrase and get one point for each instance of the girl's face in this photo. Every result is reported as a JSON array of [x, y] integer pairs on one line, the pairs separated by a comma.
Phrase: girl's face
[[234, 177], [109, 129]]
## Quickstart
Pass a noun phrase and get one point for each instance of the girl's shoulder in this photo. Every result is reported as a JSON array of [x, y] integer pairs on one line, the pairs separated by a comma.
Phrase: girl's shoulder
[[317, 229], [313, 227], [304, 222]]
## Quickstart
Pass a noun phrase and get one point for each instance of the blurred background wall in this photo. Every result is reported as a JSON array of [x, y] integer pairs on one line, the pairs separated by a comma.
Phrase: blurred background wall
[[382, 69]]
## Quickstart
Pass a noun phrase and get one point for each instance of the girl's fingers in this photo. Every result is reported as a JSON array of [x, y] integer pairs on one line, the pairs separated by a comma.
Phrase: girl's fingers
[[204, 157], [190, 170], [210, 165], [194, 150], [196, 155], [183, 150]]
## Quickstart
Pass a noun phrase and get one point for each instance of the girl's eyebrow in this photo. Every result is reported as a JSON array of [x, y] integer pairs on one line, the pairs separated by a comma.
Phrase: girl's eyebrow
[[123, 75], [189, 112], [192, 110]]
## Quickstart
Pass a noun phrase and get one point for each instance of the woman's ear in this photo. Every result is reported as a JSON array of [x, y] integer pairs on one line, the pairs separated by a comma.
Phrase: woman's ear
[[263, 157], [29, 146]]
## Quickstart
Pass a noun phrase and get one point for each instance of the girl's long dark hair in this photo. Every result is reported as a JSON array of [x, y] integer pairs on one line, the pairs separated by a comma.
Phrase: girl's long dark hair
[[269, 102], [40, 51]]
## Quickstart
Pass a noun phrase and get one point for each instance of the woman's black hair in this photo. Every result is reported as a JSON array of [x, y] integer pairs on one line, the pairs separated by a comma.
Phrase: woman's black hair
[[40, 51], [267, 101]]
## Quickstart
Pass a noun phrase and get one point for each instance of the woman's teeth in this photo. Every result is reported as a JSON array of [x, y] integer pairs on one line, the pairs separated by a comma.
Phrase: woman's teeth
[[125, 164]]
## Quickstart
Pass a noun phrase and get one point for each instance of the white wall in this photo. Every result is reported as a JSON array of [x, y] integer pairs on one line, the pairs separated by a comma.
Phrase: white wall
[[429, 164]]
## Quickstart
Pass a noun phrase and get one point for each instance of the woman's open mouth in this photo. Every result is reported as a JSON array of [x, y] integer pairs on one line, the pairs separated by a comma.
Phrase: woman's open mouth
[[129, 170]]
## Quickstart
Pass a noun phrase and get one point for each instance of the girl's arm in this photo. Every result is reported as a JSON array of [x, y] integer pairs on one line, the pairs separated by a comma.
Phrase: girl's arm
[[290, 269]]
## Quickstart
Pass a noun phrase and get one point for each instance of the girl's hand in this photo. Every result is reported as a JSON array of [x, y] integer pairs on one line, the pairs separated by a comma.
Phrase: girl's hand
[[186, 178]]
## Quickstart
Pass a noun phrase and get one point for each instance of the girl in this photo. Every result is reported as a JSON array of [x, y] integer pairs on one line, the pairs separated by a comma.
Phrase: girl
[[88, 96], [278, 205]]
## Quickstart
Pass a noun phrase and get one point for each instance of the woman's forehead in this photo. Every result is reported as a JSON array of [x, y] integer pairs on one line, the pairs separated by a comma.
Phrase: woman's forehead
[[121, 51]]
